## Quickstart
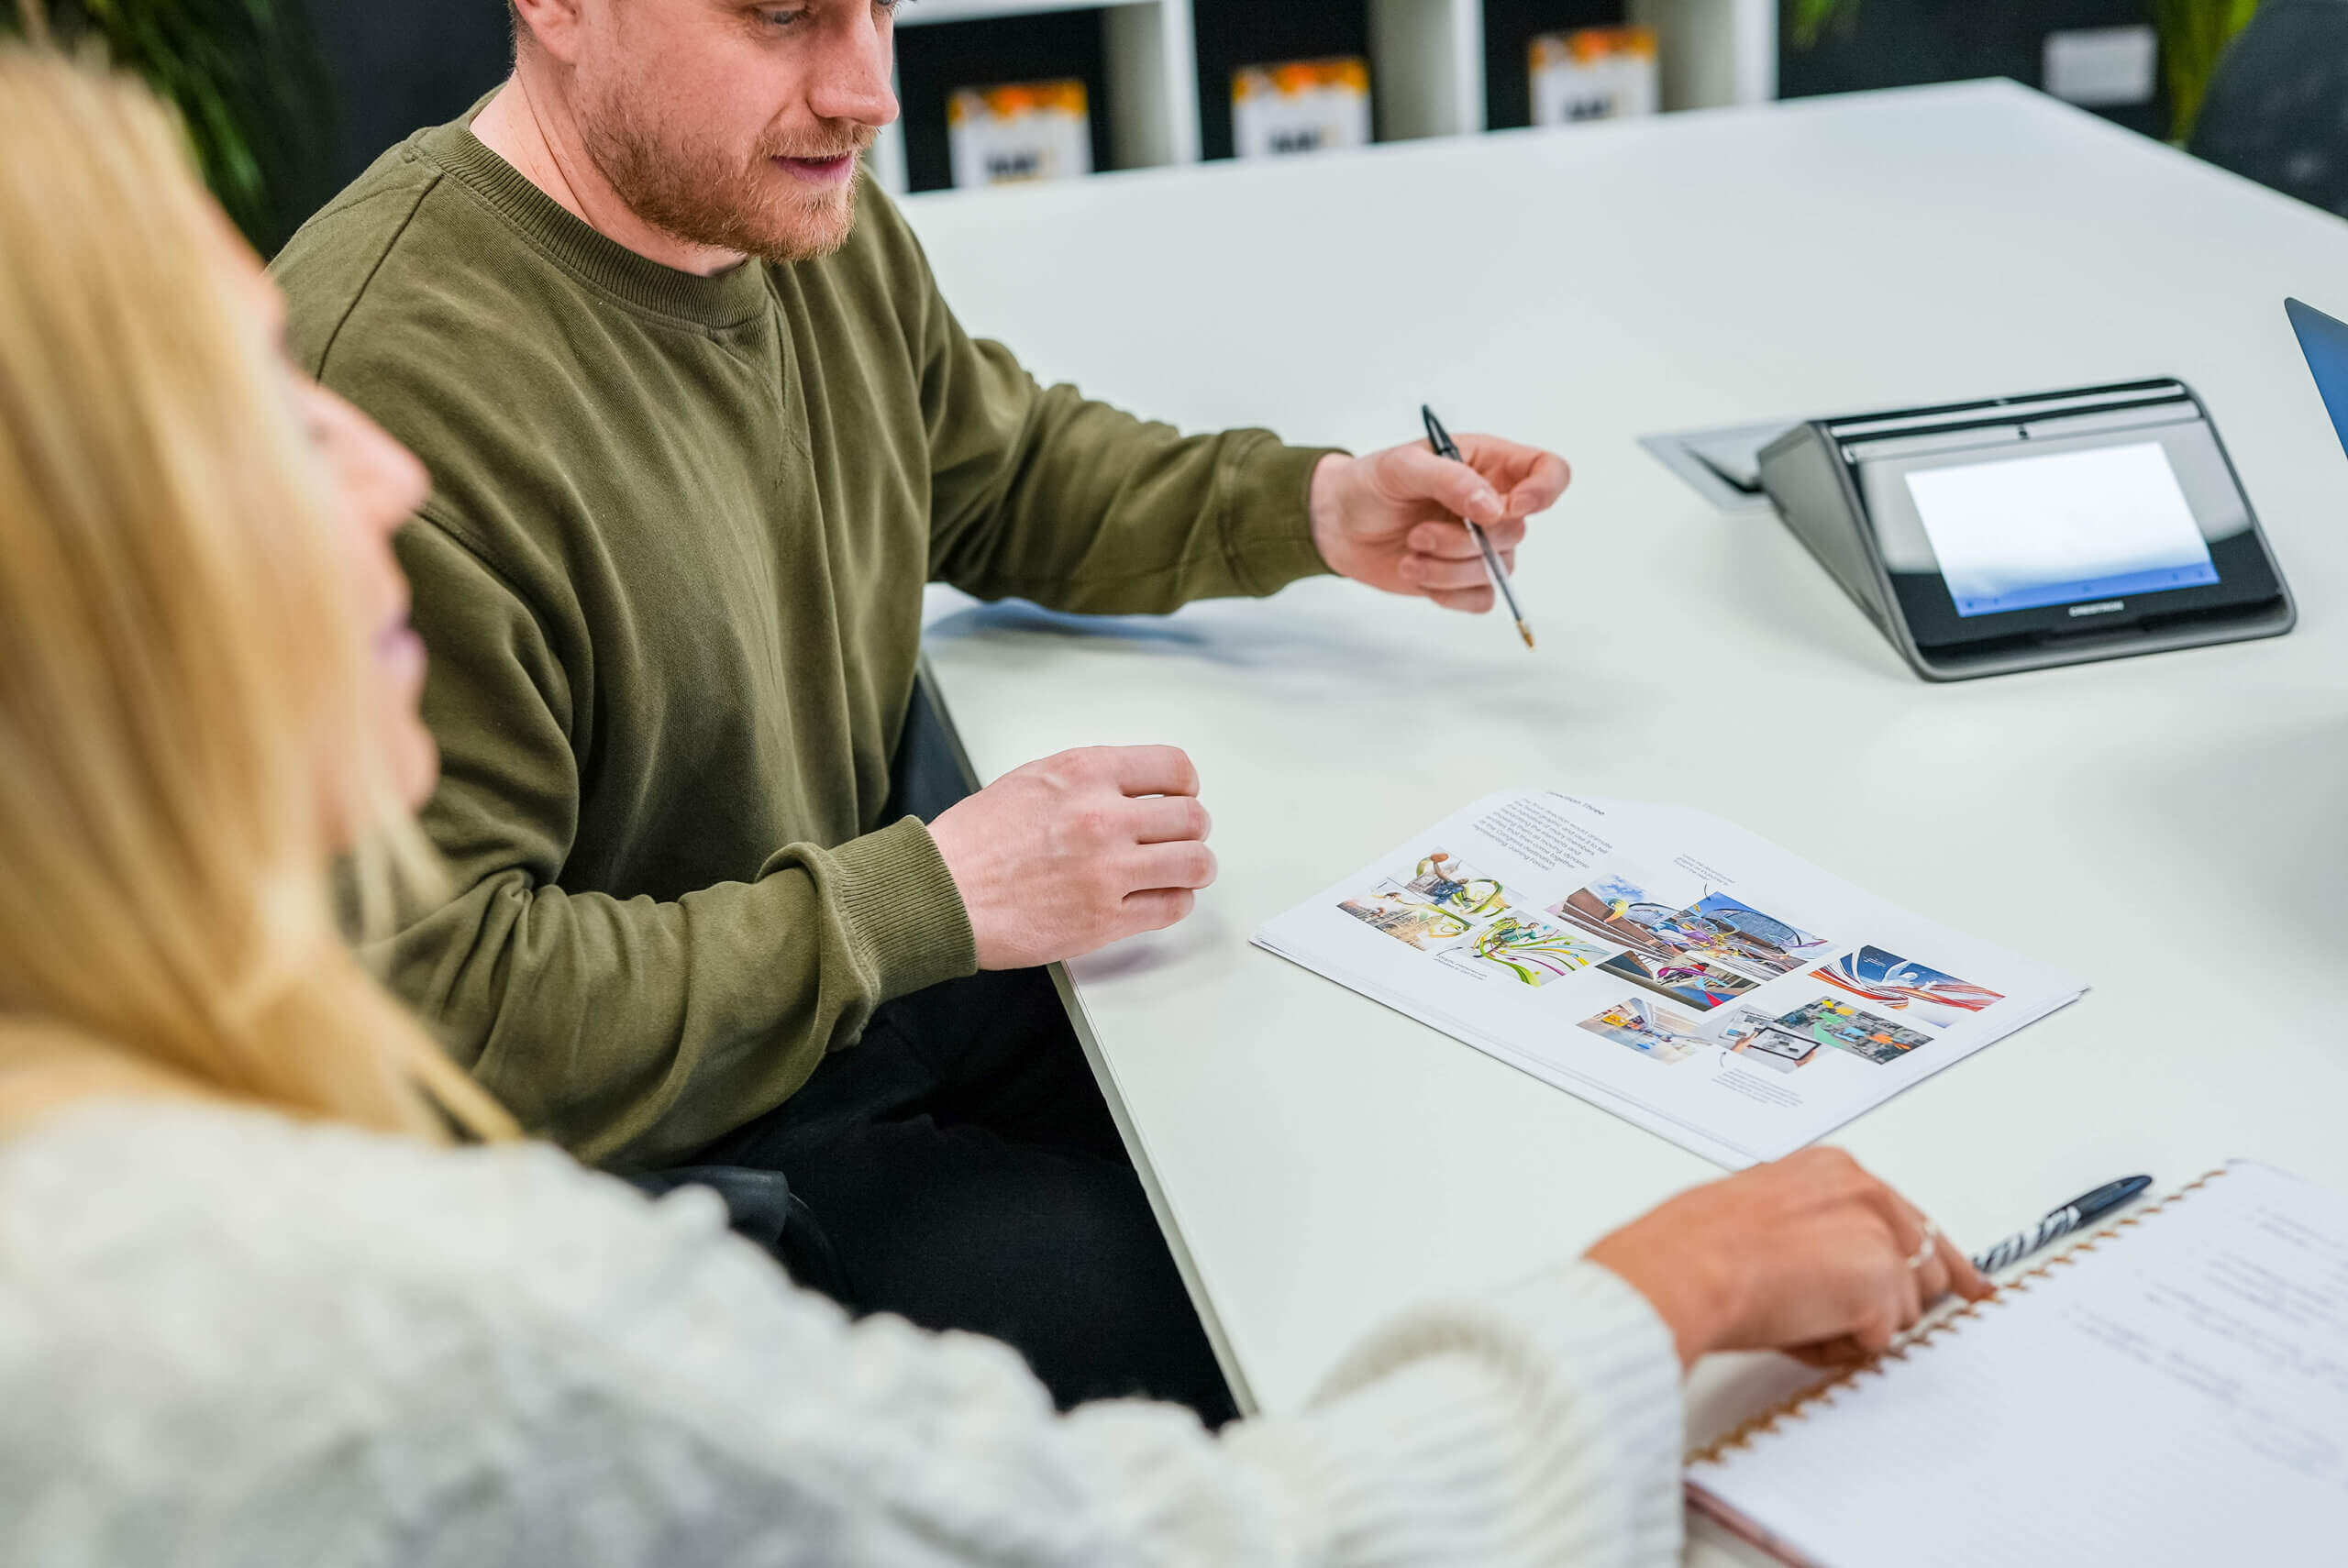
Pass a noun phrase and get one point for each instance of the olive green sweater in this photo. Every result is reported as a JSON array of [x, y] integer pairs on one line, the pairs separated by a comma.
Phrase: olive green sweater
[[671, 583]]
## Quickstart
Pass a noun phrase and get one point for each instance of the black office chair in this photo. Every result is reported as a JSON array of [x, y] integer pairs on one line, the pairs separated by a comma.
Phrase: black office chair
[[2276, 109], [929, 772]]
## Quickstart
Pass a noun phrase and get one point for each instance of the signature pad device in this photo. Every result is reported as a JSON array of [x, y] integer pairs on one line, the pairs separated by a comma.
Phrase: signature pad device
[[2018, 533]]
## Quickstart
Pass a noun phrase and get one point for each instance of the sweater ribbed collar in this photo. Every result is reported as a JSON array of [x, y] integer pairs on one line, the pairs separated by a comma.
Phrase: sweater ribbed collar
[[726, 299]]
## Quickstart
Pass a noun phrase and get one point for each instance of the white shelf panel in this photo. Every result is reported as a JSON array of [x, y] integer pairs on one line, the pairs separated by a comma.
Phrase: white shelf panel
[[1427, 66]]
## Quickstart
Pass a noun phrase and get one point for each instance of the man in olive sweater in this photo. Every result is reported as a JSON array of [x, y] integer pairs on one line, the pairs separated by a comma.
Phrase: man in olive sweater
[[701, 427]]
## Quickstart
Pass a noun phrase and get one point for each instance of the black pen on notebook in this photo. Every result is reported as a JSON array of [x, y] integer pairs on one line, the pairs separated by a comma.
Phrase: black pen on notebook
[[1440, 439], [2084, 1209]]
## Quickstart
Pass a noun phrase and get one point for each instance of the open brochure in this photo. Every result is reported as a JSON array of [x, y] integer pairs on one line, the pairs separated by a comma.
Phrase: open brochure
[[1667, 966]]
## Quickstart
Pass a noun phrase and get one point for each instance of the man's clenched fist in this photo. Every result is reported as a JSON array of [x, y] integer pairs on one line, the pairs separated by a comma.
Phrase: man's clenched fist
[[1068, 854]]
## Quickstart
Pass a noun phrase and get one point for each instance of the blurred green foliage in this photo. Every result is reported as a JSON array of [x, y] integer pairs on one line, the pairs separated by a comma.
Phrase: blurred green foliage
[[244, 74], [1811, 17], [2193, 33]]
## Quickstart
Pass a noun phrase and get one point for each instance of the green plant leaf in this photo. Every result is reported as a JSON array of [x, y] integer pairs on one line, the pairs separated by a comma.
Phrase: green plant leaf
[[1813, 17], [244, 75], [2194, 35]]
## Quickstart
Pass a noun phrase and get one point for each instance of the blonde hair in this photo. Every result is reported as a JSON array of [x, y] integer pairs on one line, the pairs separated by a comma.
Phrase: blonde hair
[[184, 686]]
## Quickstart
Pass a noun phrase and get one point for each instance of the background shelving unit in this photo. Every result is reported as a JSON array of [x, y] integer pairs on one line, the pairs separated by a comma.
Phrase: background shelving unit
[[1066, 43], [1510, 28], [1233, 33], [1146, 101], [1438, 67]]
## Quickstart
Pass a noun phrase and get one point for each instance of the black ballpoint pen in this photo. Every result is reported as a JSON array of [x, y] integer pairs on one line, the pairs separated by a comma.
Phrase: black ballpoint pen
[[1440, 439], [2085, 1209]]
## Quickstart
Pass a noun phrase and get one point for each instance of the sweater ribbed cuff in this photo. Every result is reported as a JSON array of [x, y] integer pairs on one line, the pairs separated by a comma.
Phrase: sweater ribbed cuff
[[1593, 1319], [1267, 523], [1540, 1425], [905, 915]]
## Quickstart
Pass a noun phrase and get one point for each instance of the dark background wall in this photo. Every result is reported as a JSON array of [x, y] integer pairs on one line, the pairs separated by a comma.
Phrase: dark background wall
[[1898, 43], [398, 65]]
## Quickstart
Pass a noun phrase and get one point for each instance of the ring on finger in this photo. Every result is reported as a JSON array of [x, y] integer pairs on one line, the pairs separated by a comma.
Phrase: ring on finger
[[1926, 1248]]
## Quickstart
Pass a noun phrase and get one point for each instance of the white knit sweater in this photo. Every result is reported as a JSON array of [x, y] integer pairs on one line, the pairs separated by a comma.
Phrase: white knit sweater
[[226, 1339]]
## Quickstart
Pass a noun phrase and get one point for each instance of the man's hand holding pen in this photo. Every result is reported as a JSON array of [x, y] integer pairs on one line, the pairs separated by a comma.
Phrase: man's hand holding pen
[[1392, 519]]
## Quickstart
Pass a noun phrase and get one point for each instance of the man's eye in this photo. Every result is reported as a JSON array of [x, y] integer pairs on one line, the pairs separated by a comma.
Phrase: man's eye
[[791, 18]]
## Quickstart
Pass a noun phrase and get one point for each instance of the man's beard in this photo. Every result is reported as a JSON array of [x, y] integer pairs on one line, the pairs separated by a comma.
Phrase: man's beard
[[705, 196]]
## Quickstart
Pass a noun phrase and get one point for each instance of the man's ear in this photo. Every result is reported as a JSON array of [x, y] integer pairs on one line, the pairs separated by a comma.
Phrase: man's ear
[[552, 25]]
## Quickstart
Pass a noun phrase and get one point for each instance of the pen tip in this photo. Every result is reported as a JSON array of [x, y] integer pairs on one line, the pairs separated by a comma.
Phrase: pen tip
[[1525, 632]]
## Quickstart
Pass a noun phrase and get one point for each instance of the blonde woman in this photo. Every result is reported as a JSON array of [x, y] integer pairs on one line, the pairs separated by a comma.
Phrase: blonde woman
[[257, 1303]]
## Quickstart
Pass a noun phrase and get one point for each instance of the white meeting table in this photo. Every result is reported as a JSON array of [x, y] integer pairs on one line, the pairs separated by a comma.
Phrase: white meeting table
[[2174, 829]]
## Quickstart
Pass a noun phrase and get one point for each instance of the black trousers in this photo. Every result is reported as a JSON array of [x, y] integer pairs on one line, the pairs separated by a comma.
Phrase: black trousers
[[965, 1171]]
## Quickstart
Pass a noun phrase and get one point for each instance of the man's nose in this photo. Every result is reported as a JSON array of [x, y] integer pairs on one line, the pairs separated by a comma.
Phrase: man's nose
[[853, 79]]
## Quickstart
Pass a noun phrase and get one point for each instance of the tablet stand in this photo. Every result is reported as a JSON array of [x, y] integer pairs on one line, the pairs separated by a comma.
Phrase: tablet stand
[[1813, 475]]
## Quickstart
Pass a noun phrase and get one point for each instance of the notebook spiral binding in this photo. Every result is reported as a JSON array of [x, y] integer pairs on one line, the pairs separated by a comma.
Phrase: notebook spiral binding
[[1798, 1407]]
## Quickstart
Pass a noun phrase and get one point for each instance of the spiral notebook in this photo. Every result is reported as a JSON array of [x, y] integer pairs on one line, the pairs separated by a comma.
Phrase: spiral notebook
[[2172, 1391]]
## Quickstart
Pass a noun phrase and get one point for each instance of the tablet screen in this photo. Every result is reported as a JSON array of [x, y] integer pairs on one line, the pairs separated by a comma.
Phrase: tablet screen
[[2063, 528]]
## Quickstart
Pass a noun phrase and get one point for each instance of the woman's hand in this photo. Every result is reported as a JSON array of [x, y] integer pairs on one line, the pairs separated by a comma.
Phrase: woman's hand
[[1807, 1255]]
